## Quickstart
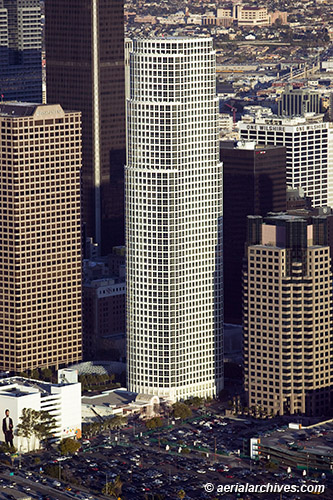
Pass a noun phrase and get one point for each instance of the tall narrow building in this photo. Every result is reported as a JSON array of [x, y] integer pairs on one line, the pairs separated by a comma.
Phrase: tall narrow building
[[40, 233], [288, 316], [85, 71], [20, 51], [173, 220], [254, 183]]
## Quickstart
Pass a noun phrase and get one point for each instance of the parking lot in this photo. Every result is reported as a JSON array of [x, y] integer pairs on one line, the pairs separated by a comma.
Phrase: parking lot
[[184, 456]]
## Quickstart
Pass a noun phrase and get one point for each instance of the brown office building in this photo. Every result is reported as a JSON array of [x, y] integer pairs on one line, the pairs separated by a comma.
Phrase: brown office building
[[287, 308], [254, 182], [103, 298], [104, 319], [85, 71], [40, 234]]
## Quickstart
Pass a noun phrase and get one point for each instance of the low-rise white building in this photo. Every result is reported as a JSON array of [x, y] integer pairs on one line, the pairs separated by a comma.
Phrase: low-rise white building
[[62, 401], [118, 402]]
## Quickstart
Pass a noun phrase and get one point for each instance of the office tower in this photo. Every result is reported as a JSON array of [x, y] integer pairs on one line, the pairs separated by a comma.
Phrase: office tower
[[254, 182], [296, 200], [287, 316], [297, 102], [173, 220], [40, 232], [20, 50], [104, 294], [309, 145], [104, 319], [85, 71], [128, 50], [330, 109]]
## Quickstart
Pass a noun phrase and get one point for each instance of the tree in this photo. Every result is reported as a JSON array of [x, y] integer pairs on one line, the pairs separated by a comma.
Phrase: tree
[[51, 470], [35, 374], [38, 424], [154, 423], [5, 448], [113, 423], [113, 488], [195, 401], [44, 425], [180, 410], [25, 426], [69, 446], [46, 374]]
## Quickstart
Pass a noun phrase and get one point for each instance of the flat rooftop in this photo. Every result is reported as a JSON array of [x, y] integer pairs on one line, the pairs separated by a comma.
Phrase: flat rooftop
[[316, 440], [114, 397], [18, 109]]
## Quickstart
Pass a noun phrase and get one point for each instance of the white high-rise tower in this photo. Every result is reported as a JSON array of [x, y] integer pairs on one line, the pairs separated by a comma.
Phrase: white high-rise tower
[[173, 220]]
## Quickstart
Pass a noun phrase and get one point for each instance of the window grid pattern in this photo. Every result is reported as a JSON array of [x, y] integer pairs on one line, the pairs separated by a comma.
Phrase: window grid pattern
[[309, 149], [173, 210], [287, 331], [40, 234]]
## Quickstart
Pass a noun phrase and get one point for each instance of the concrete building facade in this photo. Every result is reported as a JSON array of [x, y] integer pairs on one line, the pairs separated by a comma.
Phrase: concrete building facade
[[173, 221], [309, 148], [40, 233], [287, 316], [297, 102], [104, 318], [62, 401]]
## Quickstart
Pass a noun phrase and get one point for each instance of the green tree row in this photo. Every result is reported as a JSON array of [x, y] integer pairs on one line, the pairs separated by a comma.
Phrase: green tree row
[[45, 374], [94, 381], [94, 428]]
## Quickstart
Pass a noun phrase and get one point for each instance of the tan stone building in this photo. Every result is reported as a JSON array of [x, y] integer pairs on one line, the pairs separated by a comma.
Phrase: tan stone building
[[287, 322], [40, 235]]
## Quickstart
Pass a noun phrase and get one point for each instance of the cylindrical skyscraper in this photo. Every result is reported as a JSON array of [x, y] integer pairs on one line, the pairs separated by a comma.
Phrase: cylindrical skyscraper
[[173, 220]]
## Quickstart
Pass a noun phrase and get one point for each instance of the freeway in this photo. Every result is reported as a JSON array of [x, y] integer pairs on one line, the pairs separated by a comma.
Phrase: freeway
[[41, 489]]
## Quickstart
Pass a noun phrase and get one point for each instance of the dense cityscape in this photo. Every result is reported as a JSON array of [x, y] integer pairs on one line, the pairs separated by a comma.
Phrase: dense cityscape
[[166, 229]]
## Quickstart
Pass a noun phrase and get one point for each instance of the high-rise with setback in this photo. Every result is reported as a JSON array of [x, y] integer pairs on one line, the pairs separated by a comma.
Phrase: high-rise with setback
[[173, 220], [287, 315], [40, 234], [85, 71], [20, 50]]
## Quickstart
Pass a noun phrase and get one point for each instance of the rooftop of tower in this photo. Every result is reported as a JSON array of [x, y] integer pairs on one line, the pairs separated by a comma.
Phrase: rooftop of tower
[[161, 44], [15, 109]]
